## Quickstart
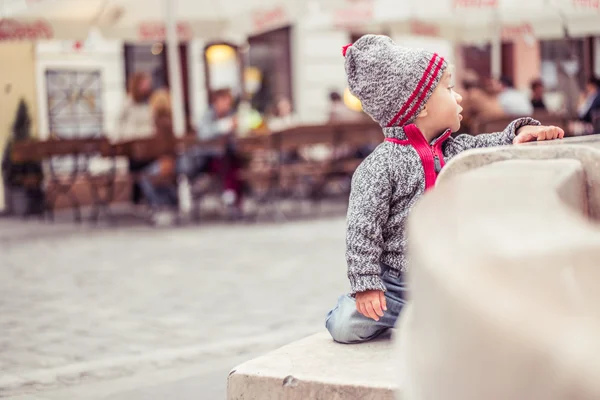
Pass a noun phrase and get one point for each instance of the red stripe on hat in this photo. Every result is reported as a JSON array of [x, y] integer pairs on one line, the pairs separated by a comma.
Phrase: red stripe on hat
[[422, 97], [415, 92]]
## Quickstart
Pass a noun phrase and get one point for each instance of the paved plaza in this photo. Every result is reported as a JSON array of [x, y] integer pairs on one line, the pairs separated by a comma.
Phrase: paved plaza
[[119, 313]]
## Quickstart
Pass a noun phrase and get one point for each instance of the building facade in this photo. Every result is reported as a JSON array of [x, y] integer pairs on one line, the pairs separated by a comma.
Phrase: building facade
[[78, 88]]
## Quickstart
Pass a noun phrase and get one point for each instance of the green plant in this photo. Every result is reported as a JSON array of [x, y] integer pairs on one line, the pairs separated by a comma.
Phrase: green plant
[[14, 173], [22, 177], [21, 128]]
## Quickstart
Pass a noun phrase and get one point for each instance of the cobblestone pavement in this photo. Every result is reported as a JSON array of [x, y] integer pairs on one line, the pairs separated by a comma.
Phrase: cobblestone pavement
[[80, 306]]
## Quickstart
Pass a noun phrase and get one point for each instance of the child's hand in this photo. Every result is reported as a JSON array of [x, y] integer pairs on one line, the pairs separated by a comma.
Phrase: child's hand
[[371, 304], [530, 133]]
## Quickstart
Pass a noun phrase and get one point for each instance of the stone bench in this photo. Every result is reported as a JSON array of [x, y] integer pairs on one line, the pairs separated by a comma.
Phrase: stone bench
[[318, 368], [505, 287]]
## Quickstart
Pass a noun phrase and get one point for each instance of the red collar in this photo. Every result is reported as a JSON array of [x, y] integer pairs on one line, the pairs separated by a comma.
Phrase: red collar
[[431, 155]]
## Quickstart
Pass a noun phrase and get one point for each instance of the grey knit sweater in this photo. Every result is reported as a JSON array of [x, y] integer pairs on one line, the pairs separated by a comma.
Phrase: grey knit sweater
[[385, 187]]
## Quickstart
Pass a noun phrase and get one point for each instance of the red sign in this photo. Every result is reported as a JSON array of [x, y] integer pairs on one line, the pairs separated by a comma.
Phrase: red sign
[[421, 28], [587, 3], [516, 31], [475, 3], [156, 31], [11, 29], [265, 20]]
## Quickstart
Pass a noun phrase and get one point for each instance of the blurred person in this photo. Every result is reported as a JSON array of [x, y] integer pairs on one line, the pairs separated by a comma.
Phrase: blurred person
[[537, 95], [590, 101], [136, 122], [219, 120], [162, 198], [568, 85], [280, 119], [159, 101], [417, 122], [282, 116], [478, 104], [338, 112], [135, 119], [512, 101], [470, 107]]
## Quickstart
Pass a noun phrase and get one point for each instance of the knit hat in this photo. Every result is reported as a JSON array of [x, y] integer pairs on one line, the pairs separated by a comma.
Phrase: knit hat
[[392, 82]]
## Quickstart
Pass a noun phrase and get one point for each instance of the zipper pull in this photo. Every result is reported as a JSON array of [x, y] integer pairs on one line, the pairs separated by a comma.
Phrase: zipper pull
[[438, 164]]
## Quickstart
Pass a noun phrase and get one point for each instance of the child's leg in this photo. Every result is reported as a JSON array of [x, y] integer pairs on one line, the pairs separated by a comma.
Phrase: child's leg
[[347, 325]]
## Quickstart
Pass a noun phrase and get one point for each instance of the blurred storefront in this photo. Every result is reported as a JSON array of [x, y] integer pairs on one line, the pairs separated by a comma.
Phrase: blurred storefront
[[79, 87], [299, 60]]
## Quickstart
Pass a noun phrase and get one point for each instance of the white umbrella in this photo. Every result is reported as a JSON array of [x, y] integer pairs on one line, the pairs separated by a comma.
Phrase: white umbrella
[[484, 21], [477, 21]]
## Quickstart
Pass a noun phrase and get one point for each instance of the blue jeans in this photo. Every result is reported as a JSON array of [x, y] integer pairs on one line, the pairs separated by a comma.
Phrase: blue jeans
[[195, 161], [156, 197], [347, 325]]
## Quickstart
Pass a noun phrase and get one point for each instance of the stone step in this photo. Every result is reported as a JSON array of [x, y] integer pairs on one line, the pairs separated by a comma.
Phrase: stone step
[[317, 368]]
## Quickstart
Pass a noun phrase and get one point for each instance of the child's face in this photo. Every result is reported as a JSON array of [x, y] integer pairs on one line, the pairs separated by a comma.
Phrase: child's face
[[443, 108]]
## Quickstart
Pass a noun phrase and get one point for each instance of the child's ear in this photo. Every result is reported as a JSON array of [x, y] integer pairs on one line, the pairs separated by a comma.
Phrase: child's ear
[[423, 113]]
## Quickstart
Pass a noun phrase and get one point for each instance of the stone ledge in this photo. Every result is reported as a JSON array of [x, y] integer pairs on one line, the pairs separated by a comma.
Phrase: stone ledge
[[317, 368], [586, 150], [511, 289]]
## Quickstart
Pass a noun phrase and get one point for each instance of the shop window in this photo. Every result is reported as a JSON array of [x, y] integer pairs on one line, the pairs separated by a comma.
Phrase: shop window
[[269, 57], [223, 68], [152, 58]]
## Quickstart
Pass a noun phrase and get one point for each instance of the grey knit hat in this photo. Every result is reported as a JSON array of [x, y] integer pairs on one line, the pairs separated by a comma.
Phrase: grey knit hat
[[392, 82]]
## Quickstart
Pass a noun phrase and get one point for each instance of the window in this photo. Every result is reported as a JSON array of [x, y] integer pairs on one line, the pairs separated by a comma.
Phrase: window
[[74, 111], [479, 60], [566, 53], [223, 67], [74, 103], [153, 59], [269, 53]]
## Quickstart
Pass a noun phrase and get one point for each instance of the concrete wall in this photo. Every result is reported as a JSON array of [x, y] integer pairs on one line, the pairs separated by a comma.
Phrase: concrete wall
[[17, 81], [504, 278]]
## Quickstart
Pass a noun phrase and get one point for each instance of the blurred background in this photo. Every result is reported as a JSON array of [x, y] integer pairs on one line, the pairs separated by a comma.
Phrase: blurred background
[[224, 124]]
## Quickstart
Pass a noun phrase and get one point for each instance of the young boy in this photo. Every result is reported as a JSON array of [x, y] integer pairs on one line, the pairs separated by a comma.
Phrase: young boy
[[410, 94]]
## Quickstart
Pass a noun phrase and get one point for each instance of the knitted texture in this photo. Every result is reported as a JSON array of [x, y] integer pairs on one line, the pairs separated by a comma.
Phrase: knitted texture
[[392, 82], [385, 187]]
